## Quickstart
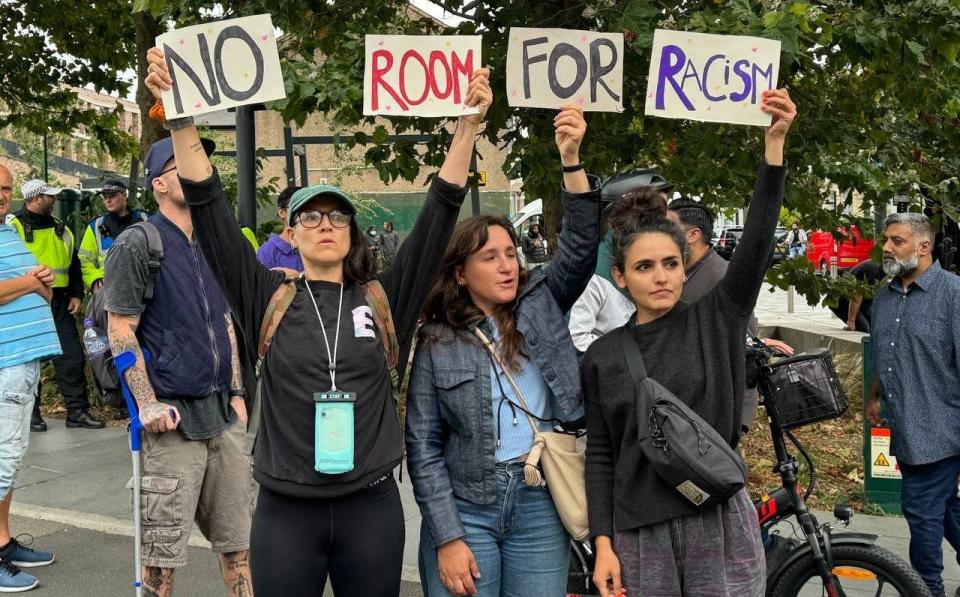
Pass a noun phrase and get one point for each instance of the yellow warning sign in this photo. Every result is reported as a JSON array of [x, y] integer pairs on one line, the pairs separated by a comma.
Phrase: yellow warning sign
[[884, 463]]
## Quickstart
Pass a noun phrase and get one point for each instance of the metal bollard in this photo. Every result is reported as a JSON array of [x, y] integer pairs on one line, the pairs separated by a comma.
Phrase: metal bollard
[[833, 267], [791, 291]]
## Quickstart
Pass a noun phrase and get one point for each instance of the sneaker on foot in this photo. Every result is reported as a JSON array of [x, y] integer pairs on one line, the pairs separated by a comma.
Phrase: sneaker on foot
[[26, 557], [14, 580]]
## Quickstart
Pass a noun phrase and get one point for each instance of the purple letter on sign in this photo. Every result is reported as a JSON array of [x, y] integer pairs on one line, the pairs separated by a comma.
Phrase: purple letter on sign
[[671, 63]]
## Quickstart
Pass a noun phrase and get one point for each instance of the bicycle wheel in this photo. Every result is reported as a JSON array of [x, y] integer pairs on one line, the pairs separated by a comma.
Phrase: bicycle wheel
[[861, 570]]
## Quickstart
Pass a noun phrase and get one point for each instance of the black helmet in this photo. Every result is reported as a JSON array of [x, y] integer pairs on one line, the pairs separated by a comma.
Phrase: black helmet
[[620, 184]]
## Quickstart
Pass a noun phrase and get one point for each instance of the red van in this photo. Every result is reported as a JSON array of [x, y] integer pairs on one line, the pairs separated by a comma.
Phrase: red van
[[821, 246]]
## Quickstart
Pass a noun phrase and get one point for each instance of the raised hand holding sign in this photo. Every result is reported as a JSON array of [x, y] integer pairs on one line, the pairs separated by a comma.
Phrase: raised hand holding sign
[[221, 65]]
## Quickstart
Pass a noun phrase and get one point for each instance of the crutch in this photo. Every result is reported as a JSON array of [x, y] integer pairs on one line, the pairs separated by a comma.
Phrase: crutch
[[124, 361]]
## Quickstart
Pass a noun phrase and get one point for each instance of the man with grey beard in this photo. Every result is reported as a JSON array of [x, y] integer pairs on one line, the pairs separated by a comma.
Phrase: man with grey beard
[[916, 338]]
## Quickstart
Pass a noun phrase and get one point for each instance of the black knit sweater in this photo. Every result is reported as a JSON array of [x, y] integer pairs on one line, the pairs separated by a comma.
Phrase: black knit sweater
[[697, 352]]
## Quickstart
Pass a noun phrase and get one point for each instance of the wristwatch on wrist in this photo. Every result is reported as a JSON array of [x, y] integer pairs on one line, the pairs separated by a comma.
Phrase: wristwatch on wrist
[[173, 124], [574, 168], [239, 392]]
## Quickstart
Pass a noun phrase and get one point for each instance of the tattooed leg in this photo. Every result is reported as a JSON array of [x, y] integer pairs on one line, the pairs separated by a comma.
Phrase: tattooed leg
[[157, 582], [235, 568]]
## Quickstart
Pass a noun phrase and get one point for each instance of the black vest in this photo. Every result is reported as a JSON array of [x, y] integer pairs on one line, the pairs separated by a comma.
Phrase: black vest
[[184, 327]]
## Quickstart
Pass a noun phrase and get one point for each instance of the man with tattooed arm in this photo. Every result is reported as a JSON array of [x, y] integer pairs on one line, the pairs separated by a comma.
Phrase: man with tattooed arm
[[189, 392]]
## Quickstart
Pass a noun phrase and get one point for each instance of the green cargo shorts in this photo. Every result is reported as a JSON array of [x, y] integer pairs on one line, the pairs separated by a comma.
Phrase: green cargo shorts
[[206, 481]]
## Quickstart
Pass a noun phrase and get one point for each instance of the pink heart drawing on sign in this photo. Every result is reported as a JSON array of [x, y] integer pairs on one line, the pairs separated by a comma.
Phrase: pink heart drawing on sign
[[753, 49], [514, 93], [388, 108], [380, 43], [198, 105], [581, 101], [583, 39], [264, 37], [181, 41]]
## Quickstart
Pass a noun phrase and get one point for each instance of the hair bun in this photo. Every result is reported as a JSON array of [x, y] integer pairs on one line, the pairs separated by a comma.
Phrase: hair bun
[[635, 206]]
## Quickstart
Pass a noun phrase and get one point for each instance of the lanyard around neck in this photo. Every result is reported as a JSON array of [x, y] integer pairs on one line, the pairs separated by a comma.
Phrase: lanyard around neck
[[331, 358]]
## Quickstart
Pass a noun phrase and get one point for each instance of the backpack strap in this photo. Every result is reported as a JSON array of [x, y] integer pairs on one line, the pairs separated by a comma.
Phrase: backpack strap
[[155, 251], [376, 297], [276, 308]]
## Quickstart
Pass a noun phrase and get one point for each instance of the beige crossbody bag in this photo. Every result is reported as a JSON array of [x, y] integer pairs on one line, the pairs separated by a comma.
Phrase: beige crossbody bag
[[556, 459]]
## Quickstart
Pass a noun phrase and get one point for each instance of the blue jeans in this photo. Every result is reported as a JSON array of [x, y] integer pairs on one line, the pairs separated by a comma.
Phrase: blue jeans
[[930, 504], [519, 542], [18, 389], [796, 251]]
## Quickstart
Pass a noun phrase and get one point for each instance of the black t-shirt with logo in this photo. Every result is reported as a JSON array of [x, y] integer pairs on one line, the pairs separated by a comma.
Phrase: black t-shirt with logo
[[296, 366]]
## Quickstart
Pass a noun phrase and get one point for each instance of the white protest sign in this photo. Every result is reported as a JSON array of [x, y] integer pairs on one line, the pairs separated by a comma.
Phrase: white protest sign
[[713, 78], [221, 65], [549, 68], [419, 75]]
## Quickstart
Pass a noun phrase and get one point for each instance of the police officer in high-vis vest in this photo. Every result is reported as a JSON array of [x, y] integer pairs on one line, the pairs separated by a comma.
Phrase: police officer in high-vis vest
[[102, 230], [52, 243]]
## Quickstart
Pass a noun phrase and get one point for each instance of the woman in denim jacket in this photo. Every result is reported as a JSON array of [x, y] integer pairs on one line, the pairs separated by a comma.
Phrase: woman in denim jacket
[[484, 532]]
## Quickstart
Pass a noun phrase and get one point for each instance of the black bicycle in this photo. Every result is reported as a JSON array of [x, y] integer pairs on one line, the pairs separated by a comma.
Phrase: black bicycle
[[797, 391]]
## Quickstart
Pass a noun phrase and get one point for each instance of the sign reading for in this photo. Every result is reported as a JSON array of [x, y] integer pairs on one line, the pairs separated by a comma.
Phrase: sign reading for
[[713, 78], [549, 68], [419, 75], [221, 65]]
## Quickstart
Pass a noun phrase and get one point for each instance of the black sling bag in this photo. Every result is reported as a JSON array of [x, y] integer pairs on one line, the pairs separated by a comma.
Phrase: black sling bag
[[683, 449]]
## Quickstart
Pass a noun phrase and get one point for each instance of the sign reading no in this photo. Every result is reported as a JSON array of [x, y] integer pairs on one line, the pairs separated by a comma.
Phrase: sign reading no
[[221, 65]]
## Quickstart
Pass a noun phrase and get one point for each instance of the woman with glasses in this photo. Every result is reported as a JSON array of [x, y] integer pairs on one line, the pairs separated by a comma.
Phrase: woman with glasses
[[323, 511]]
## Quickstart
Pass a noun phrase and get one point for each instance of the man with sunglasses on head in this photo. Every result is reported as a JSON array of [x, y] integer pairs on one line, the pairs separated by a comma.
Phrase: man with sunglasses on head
[[104, 229], [189, 394]]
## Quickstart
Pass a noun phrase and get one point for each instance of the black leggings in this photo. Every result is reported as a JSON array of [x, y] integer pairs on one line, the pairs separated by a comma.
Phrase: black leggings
[[356, 539]]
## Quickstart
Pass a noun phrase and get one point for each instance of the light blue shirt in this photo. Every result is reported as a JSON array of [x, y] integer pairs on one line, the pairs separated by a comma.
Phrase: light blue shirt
[[515, 437], [27, 323]]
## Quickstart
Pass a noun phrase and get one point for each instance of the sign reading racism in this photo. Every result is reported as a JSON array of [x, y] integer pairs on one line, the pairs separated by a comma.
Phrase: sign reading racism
[[419, 75], [221, 65], [713, 78], [550, 68]]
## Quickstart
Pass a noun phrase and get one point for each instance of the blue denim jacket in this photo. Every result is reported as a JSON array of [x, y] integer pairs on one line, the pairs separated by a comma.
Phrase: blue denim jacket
[[450, 435]]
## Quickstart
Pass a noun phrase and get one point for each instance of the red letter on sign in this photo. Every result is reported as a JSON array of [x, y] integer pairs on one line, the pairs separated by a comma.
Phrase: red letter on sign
[[435, 57], [465, 68], [378, 80], [403, 77]]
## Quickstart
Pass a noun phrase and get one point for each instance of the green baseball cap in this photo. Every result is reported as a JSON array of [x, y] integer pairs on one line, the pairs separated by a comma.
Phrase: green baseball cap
[[304, 195]]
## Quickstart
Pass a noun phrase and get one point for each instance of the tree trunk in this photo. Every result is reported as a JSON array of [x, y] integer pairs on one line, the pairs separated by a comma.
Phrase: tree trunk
[[148, 28], [552, 217]]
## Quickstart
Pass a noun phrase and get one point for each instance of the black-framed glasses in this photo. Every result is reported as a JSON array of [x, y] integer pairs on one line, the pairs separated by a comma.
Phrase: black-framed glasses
[[170, 169], [312, 218]]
